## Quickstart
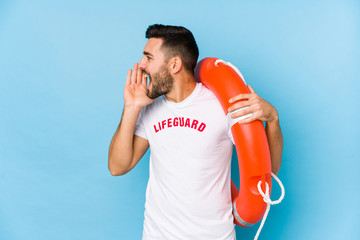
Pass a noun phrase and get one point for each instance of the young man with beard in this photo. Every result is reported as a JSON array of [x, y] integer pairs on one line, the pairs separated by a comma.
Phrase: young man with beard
[[188, 194]]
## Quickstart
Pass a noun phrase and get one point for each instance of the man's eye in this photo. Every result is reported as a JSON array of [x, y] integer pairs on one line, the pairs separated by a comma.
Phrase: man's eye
[[148, 58]]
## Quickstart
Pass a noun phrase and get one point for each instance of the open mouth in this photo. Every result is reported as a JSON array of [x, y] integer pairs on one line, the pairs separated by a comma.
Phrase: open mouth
[[148, 80]]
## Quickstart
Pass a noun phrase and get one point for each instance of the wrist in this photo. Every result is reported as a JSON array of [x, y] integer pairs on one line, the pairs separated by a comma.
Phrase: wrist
[[274, 117], [132, 108]]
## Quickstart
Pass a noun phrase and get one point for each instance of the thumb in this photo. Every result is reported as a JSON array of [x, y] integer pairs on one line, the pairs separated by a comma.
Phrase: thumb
[[251, 89]]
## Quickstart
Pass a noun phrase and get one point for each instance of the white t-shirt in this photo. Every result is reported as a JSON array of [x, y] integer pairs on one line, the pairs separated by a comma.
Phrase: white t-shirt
[[189, 193]]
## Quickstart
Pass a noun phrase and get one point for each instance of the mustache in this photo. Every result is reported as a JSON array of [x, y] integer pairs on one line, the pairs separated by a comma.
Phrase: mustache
[[145, 72]]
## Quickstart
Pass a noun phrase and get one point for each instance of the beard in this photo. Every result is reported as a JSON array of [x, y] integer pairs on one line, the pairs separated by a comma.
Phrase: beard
[[161, 82]]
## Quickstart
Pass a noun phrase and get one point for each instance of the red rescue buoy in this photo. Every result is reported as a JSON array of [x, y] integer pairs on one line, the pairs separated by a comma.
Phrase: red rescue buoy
[[250, 141]]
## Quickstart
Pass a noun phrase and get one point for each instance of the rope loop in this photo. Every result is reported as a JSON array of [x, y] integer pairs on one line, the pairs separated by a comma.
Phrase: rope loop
[[266, 198], [266, 195]]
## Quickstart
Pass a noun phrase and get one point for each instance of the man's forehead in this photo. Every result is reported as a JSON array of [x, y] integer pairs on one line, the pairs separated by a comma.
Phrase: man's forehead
[[152, 46]]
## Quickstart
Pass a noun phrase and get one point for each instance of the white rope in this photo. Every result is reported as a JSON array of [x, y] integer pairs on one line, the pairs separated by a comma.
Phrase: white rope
[[229, 64], [266, 197]]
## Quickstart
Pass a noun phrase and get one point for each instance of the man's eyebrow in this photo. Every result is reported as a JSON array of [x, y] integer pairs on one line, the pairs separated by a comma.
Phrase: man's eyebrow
[[147, 53]]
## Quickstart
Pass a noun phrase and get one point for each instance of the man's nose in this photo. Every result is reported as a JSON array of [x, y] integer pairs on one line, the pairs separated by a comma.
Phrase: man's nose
[[142, 63]]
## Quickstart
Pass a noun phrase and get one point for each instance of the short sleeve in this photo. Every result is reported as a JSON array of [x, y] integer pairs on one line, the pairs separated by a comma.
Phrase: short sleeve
[[229, 130], [139, 127]]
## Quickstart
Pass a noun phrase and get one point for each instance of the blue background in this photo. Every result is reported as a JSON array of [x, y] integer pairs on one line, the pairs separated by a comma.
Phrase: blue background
[[63, 66]]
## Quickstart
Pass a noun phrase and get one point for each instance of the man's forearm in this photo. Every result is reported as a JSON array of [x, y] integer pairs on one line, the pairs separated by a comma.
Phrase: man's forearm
[[121, 146], [275, 140]]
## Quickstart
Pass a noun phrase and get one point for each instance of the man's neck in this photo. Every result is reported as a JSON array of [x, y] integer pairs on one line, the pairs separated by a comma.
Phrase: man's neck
[[183, 86]]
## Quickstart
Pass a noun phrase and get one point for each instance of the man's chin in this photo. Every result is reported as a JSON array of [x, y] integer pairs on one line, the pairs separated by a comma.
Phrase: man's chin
[[151, 95], [154, 95]]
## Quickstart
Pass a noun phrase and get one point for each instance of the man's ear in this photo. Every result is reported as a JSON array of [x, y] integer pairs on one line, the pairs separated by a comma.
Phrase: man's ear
[[175, 64]]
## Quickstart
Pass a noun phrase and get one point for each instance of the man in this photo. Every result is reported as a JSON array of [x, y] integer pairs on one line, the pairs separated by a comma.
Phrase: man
[[188, 193]]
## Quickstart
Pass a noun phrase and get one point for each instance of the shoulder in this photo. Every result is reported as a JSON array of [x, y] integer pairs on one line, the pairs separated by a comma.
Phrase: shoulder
[[206, 94], [209, 102], [207, 97]]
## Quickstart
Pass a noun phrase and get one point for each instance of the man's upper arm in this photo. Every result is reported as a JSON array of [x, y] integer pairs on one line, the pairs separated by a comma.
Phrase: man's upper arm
[[141, 145]]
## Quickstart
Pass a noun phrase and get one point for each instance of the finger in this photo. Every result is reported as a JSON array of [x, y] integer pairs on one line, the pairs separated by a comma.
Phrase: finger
[[251, 89], [134, 72], [242, 112], [238, 105], [256, 116], [241, 97], [138, 76], [247, 120], [128, 77]]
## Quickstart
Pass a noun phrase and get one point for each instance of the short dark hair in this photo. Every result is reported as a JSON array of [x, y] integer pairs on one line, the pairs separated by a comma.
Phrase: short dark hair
[[176, 41]]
